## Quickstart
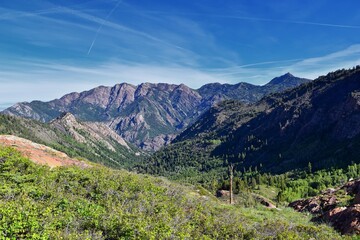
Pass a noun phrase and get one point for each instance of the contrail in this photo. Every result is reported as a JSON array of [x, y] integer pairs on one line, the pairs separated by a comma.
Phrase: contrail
[[122, 28], [258, 19], [102, 24], [290, 21], [258, 64]]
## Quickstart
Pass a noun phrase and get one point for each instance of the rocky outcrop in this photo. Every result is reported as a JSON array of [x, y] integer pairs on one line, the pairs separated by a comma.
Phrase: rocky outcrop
[[88, 132], [344, 219], [264, 201], [148, 114], [157, 142], [325, 207], [315, 205]]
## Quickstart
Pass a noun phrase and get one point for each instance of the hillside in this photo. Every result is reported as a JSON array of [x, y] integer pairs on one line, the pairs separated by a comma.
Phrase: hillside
[[318, 123], [93, 141], [39, 153], [148, 115], [99, 203], [315, 123]]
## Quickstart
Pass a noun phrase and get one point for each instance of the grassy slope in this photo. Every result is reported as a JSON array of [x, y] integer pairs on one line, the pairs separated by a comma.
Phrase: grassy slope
[[100, 203]]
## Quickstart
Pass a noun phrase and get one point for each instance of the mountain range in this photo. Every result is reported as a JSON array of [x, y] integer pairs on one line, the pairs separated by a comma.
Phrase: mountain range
[[148, 115]]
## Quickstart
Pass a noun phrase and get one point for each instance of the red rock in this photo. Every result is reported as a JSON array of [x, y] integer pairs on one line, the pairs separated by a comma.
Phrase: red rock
[[345, 219], [357, 198]]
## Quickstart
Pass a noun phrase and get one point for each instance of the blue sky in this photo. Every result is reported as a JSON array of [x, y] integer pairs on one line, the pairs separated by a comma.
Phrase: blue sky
[[50, 48]]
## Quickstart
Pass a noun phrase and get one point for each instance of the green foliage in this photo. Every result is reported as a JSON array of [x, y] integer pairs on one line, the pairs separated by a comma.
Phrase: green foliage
[[181, 161], [291, 186], [98, 203]]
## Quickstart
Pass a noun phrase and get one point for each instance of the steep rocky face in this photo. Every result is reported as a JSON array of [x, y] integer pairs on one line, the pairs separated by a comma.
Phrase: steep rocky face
[[326, 207], [148, 115]]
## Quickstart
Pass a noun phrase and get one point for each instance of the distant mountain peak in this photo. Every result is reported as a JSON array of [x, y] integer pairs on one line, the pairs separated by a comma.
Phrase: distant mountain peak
[[287, 79]]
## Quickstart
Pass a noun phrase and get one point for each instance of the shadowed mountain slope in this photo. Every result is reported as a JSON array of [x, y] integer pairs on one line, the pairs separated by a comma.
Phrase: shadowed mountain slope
[[317, 122]]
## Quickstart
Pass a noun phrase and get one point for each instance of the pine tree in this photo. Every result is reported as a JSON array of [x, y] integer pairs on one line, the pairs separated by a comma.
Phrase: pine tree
[[309, 167]]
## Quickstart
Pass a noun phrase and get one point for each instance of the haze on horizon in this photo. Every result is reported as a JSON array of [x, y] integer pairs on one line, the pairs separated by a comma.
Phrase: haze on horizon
[[50, 48]]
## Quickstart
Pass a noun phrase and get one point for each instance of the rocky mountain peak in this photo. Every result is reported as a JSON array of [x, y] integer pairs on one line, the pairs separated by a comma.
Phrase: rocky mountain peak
[[66, 119], [143, 89], [287, 78], [67, 116]]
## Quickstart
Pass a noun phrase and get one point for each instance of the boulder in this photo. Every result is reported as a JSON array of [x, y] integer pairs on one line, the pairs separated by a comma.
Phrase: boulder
[[352, 187], [222, 193], [345, 219], [311, 205], [357, 198]]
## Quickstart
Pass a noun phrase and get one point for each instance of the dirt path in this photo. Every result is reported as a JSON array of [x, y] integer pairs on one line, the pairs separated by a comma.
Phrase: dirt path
[[39, 153]]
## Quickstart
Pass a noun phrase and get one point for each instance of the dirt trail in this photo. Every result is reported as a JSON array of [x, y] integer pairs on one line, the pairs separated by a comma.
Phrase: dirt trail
[[39, 153]]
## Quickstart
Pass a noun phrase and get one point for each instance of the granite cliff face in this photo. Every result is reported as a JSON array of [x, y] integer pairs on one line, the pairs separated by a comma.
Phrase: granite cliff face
[[148, 115]]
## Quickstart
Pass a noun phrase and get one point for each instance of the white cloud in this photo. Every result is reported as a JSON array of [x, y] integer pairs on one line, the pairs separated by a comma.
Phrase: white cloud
[[28, 80], [314, 67], [43, 81], [262, 72]]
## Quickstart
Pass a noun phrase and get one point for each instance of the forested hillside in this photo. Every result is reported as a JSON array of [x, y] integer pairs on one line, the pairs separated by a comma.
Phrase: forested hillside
[[316, 123]]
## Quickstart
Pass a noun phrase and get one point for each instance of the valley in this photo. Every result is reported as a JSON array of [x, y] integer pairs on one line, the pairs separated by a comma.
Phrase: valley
[[179, 120], [263, 140]]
